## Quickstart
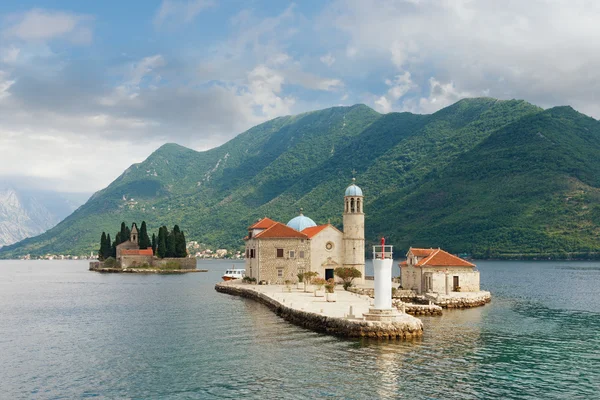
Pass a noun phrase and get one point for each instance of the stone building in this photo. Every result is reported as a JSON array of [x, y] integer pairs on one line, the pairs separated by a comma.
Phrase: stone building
[[276, 252], [129, 253], [437, 271]]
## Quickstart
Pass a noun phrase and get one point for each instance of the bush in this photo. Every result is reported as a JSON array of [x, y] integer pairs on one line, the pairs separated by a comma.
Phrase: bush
[[172, 265], [330, 285], [300, 277], [347, 275], [309, 275], [319, 282], [110, 262]]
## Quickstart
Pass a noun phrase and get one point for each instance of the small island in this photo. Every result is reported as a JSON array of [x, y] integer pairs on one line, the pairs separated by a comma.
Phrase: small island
[[133, 251]]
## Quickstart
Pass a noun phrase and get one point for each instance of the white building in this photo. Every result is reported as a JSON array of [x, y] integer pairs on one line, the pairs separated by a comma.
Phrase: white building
[[276, 252], [437, 271]]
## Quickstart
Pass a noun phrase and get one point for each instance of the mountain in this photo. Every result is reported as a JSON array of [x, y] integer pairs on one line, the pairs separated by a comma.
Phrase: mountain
[[482, 176], [26, 213]]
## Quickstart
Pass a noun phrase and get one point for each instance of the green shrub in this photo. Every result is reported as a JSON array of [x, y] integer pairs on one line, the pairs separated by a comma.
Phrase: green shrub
[[110, 262]]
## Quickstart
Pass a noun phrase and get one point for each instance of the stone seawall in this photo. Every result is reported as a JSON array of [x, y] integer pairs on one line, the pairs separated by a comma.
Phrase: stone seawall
[[352, 328], [453, 300], [461, 300]]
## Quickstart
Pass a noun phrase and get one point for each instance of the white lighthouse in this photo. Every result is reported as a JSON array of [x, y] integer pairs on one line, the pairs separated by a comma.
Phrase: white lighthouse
[[383, 259], [354, 229]]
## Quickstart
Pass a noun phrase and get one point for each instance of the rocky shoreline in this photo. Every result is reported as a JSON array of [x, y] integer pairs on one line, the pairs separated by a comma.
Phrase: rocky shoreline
[[145, 270], [409, 328]]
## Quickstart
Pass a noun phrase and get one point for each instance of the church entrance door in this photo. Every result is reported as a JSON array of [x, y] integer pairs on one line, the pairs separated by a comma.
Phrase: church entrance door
[[328, 273]]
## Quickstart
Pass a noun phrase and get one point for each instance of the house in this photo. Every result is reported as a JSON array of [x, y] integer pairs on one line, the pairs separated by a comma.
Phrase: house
[[437, 271], [276, 252], [129, 253]]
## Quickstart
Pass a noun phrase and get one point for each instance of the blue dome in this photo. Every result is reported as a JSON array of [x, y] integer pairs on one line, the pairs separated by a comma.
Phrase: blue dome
[[353, 190], [301, 222]]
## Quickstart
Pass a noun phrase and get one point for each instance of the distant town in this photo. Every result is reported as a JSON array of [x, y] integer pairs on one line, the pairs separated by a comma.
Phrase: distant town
[[194, 249]]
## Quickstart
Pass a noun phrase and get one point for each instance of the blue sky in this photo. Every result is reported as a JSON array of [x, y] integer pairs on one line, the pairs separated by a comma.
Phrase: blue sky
[[113, 80]]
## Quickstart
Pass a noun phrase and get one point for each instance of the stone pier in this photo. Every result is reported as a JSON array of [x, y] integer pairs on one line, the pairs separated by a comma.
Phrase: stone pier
[[341, 318]]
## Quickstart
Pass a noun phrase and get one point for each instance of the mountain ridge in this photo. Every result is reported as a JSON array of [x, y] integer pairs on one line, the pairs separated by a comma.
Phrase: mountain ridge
[[400, 158]]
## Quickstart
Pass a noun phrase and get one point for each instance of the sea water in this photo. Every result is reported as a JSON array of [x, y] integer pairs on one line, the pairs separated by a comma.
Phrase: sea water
[[69, 333]]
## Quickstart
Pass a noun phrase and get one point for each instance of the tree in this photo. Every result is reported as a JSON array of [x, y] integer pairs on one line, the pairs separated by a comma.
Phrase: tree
[[170, 243], [347, 275], [111, 247], [154, 243], [102, 251], [180, 245], [124, 236], [161, 250], [144, 239]]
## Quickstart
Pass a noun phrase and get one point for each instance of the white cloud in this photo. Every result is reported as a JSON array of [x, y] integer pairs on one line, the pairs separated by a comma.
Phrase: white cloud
[[9, 55], [400, 85], [5, 84], [327, 59], [42, 25], [509, 49], [180, 11], [440, 95]]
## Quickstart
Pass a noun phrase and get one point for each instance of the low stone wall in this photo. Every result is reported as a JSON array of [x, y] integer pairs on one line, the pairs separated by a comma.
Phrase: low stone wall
[[454, 300], [461, 300], [184, 263], [330, 325], [145, 270], [418, 309]]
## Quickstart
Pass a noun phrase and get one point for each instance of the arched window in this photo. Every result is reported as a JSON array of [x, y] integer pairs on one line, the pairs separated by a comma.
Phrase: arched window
[[358, 209], [352, 205]]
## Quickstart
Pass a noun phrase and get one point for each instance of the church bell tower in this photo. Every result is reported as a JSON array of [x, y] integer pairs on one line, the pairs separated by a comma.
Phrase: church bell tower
[[354, 229]]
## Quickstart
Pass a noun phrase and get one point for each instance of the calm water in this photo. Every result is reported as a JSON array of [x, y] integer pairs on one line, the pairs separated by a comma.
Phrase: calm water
[[69, 333]]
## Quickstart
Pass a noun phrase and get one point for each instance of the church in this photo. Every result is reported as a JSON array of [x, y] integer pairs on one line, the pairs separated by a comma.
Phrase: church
[[277, 252]]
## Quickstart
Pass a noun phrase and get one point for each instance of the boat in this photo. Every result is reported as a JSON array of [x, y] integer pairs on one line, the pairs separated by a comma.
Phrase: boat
[[234, 273]]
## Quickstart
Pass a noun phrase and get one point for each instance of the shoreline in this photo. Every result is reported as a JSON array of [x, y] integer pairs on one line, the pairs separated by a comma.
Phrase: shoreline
[[316, 314], [145, 270]]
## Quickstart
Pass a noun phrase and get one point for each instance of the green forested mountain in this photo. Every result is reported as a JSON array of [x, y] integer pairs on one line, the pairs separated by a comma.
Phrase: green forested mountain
[[482, 176]]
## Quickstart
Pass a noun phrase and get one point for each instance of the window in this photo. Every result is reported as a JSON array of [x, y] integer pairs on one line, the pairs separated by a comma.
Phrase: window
[[251, 253], [301, 254], [300, 270], [329, 245], [280, 273], [279, 253], [292, 254]]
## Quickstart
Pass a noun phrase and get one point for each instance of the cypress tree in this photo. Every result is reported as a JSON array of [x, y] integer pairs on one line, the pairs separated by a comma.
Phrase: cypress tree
[[127, 234], [144, 240], [109, 247], [180, 247], [161, 251], [170, 243], [153, 243], [101, 254], [124, 235], [113, 249]]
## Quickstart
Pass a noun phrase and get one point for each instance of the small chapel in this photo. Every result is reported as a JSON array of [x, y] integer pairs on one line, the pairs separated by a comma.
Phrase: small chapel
[[277, 252]]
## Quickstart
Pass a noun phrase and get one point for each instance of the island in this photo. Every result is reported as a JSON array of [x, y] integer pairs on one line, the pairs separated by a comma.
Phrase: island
[[139, 254]]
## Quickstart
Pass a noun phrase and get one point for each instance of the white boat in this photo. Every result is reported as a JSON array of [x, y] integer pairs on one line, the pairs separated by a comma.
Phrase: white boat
[[234, 273]]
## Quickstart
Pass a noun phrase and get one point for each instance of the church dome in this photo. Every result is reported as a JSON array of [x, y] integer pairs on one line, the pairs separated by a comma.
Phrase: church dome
[[353, 190], [301, 222]]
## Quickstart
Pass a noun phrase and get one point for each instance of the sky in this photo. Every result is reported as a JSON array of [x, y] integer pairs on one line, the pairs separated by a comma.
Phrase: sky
[[88, 88]]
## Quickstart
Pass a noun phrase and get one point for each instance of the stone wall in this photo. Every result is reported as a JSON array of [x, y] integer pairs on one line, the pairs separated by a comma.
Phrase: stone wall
[[330, 325], [184, 263], [130, 261], [460, 300], [320, 255], [269, 264]]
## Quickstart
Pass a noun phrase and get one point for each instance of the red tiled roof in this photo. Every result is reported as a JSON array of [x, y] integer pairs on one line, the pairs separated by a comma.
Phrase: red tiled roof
[[137, 252], [421, 252], [313, 230], [279, 230], [441, 258], [264, 223], [403, 264]]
